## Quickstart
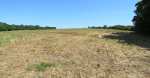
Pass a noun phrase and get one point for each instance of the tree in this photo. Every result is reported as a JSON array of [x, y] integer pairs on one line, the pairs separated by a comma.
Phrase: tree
[[142, 18], [105, 27]]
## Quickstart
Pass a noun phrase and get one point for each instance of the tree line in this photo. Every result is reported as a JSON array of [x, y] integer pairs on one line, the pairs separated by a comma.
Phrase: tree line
[[8, 27], [119, 27]]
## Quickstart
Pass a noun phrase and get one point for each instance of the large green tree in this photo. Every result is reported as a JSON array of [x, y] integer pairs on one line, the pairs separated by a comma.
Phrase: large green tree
[[142, 18]]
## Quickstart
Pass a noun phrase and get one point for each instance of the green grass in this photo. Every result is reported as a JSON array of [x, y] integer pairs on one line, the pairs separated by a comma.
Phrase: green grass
[[41, 66], [6, 37]]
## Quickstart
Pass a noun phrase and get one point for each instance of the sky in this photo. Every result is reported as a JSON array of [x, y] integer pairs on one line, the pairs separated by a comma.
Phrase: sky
[[67, 13]]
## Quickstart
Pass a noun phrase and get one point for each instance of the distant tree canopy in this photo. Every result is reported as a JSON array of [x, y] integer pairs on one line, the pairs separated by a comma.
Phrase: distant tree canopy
[[119, 27], [142, 18], [8, 27]]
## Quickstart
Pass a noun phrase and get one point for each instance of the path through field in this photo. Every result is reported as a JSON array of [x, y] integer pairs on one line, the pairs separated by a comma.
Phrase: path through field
[[72, 54]]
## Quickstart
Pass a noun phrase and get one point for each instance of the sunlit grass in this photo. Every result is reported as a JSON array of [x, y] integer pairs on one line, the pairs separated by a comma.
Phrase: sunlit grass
[[74, 53]]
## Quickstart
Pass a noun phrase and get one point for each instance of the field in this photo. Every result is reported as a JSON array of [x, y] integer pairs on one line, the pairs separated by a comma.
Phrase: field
[[74, 53]]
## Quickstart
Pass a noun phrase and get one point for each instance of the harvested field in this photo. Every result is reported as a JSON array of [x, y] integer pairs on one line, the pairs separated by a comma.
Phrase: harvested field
[[76, 53]]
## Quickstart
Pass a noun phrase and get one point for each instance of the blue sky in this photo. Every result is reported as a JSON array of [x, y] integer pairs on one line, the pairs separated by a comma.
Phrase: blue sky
[[67, 13]]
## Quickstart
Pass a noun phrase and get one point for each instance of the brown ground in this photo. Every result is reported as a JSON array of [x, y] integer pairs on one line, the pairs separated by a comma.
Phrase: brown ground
[[74, 54]]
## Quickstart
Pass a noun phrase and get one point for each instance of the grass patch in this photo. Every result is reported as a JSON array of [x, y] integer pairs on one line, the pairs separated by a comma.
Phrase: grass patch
[[6, 39], [41, 66]]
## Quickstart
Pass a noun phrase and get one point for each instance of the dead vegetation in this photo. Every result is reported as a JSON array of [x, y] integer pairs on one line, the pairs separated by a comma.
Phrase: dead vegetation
[[73, 54]]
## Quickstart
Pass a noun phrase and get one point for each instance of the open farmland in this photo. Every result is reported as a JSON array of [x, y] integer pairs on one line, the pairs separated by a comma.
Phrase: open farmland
[[76, 53]]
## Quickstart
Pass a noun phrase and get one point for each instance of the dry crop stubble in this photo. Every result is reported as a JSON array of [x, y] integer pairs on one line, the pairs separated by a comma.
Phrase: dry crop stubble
[[73, 54]]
